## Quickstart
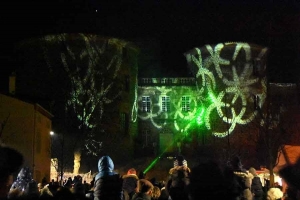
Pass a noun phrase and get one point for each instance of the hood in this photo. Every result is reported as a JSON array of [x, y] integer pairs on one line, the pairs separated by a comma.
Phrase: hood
[[105, 167]]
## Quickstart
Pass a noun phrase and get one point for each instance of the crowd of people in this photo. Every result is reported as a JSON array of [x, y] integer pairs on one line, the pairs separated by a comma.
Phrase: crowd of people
[[207, 180]]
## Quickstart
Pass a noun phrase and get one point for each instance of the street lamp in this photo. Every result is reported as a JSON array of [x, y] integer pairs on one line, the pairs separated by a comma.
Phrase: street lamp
[[53, 164], [60, 154]]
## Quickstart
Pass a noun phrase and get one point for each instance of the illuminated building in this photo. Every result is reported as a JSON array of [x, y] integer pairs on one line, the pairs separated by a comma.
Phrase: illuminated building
[[228, 89]]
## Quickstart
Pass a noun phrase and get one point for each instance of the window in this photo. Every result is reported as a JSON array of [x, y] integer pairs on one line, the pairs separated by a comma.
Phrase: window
[[146, 103], [163, 80], [185, 103], [256, 102], [165, 103]]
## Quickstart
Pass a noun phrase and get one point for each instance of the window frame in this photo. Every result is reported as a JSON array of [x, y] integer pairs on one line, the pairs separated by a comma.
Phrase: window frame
[[146, 103], [186, 103], [165, 104]]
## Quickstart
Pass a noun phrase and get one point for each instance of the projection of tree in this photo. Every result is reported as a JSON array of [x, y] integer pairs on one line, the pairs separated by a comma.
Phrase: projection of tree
[[228, 77], [92, 65]]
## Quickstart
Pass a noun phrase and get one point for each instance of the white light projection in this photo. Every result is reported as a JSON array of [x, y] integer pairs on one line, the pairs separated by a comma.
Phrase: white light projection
[[185, 118], [222, 98], [134, 110], [93, 66], [230, 91], [181, 120], [215, 59], [156, 116]]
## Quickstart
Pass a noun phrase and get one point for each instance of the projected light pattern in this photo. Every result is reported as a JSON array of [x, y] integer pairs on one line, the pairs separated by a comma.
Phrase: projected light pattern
[[227, 80], [94, 67], [182, 120], [230, 90], [134, 110], [92, 71]]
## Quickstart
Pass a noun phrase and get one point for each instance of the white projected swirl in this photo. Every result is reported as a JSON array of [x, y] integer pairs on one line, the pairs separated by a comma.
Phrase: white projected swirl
[[229, 78], [230, 83]]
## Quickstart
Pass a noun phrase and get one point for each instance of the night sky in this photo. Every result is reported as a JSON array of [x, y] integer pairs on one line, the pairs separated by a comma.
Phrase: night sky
[[176, 26]]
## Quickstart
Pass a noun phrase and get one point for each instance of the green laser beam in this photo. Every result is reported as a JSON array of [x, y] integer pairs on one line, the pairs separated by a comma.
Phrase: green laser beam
[[150, 166]]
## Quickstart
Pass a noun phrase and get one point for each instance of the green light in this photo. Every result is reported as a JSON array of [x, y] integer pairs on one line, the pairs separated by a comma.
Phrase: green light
[[151, 165], [199, 118], [221, 97]]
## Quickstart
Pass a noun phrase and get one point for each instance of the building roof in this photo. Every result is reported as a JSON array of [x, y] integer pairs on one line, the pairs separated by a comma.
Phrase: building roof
[[37, 107]]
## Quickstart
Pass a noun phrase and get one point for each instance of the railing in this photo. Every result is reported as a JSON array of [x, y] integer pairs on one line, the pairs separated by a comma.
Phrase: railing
[[167, 81]]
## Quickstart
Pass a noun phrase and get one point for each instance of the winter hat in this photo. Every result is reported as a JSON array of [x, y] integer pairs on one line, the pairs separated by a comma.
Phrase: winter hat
[[252, 171], [131, 171], [180, 161]]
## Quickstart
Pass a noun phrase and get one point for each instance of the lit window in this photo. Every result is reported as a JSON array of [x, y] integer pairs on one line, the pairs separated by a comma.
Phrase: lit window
[[185, 103], [146, 103], [165, 103]]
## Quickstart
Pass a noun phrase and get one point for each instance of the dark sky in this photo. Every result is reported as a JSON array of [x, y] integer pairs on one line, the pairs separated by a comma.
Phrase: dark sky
[[177, 26]]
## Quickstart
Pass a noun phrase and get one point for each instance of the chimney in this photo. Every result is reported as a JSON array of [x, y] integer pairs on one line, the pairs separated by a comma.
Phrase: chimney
[[12, 83]]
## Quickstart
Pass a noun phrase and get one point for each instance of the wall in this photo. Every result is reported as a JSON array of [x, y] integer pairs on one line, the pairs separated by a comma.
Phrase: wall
[[27, 130]]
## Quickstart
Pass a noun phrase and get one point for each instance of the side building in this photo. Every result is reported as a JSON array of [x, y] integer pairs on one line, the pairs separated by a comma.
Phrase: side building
[[26, 127]]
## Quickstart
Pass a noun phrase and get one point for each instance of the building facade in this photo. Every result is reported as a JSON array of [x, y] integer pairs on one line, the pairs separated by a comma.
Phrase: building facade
[[26, 127], [228, 86]]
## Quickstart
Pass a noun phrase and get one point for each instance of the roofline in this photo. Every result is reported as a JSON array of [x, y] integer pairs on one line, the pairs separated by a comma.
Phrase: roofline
[[43, 110]]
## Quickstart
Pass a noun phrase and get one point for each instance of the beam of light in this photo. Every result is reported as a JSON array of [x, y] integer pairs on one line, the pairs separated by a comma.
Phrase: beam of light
[[152, 164], [179, 138], [200, 116]]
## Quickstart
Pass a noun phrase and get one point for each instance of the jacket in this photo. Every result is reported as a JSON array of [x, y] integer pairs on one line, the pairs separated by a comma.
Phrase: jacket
[[130, 183], [108, 184], [178, 182]]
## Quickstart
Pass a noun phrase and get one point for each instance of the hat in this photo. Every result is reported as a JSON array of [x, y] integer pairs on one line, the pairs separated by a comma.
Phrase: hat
[[131, 171], [180, 161], [145, 185]]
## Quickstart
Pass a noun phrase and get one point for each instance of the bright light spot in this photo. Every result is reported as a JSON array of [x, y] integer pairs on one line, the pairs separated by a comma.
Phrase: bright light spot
[[51, 133]]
